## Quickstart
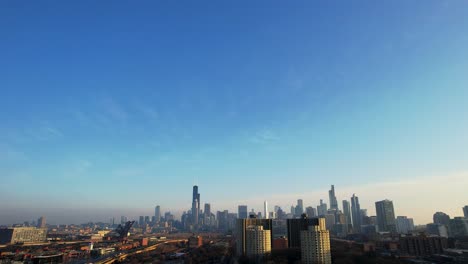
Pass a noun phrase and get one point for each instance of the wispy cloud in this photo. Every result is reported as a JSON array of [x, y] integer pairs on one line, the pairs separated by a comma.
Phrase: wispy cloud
[[148, 111], [264, 136], [114, 109], [10, 154], [46, 132]]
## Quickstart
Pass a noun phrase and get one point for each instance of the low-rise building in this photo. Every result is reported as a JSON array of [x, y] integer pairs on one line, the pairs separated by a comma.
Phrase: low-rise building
[[15, 235], [422, 245]]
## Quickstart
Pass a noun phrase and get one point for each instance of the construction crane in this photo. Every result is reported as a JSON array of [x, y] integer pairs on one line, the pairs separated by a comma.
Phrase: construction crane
[[122, 231]]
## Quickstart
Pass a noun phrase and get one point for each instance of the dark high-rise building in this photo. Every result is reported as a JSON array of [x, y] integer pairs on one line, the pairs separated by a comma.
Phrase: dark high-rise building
[[147, 219], [299, 210], [347, 211], [385, 216], [207, 210], [141, 221], [332, 197], [223, 224], [356, 213], [465, 211], [294, 229], [242, 231], [242, 212], [157, 213], [458, 227], [441, 218], [195, 205], [311, 212]]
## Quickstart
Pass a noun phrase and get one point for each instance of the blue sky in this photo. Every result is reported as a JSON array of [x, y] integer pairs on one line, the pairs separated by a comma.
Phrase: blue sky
[[124, 105]]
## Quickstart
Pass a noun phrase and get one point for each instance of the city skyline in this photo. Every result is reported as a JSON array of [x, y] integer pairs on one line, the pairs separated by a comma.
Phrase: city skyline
[[108, 110], [135, 213]]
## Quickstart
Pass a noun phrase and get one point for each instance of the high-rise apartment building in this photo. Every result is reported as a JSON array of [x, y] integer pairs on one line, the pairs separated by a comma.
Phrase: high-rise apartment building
[[465, 211], [157, 213], [356, 213], [242, 227], [385, 216], [332, 198], [294, 227], [315, 244], [257, 241], [242, 212]]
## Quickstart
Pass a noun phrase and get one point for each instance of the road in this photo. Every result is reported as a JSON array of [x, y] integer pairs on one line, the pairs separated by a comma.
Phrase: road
[[121, 256]]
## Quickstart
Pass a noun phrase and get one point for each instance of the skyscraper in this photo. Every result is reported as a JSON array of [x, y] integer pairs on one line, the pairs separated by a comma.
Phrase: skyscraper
[[322, 208], [41, 222], [465, 211], [157, 213], [311, 212], [195, 205], [207, 210], [356, 213], [242, 211], [332, 198], [265, 209], [299, 210], [385, 216], [347, 211]]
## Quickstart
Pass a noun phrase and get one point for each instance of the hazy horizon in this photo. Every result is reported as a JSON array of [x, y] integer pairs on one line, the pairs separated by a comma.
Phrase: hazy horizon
[[110, 108]]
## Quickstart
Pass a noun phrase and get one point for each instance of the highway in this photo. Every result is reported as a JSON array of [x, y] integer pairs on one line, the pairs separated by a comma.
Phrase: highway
[[121, 256]]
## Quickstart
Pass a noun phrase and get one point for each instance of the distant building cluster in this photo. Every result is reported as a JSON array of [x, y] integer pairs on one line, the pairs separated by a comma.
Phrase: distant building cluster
[[310, 230]]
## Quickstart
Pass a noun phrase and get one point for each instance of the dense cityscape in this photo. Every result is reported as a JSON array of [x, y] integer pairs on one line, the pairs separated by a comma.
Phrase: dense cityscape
[[233, 132], [326, 233]]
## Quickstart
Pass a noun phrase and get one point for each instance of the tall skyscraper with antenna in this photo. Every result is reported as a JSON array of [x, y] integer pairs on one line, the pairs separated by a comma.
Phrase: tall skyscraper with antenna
[[195, 205]]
